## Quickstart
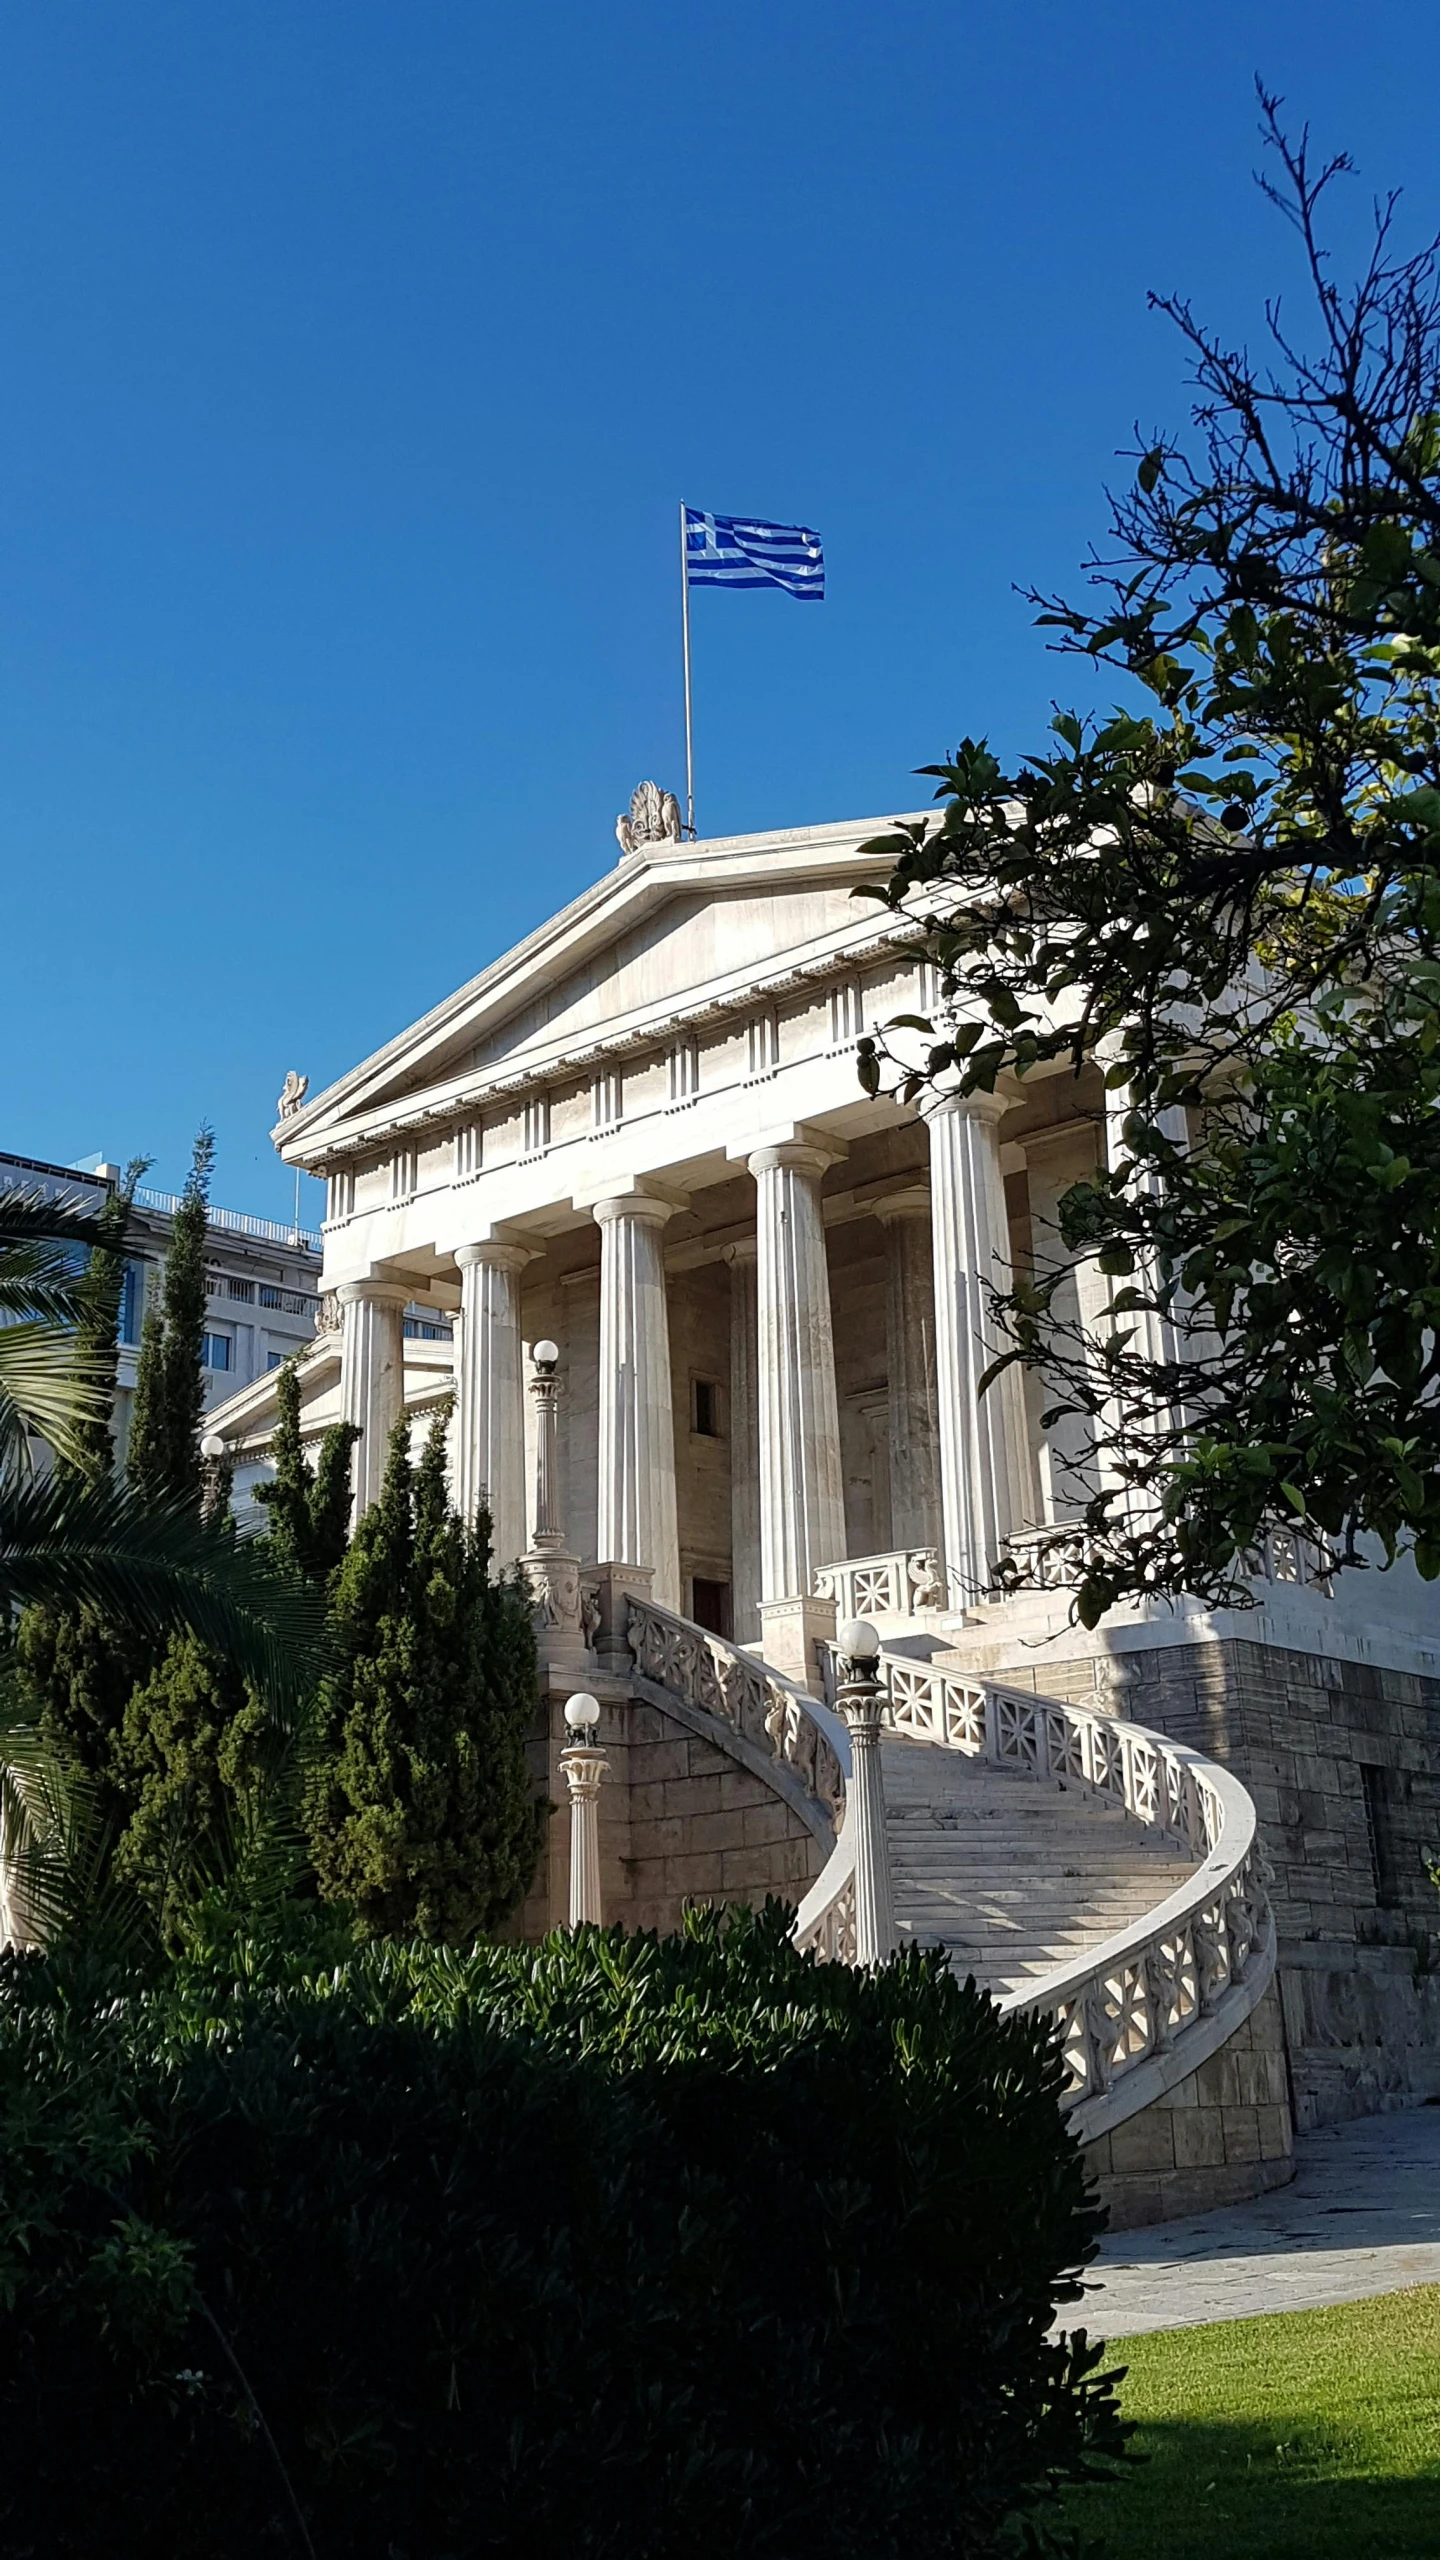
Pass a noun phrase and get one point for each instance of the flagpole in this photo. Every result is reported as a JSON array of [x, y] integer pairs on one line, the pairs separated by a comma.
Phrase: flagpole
[[685, 634]]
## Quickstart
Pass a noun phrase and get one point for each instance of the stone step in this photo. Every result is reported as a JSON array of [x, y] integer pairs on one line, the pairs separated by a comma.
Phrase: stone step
[[1013, 1874]]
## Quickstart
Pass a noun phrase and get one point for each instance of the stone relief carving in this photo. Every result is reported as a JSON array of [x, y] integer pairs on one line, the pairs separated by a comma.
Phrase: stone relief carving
[[292, 1095], [654, 819]]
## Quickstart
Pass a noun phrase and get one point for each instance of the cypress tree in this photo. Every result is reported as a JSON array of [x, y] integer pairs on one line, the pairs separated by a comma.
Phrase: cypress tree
[[164, 1456], [175, 1737], [421, 1814], [309, 1507]]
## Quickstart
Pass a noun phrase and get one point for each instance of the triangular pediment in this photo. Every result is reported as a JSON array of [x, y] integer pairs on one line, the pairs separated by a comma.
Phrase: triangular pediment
[[675, 931]]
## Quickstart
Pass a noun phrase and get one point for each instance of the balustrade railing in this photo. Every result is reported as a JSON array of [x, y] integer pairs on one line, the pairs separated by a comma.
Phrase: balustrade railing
[[891, 1586], [1053, 1559], [1209, 1946], [775, 1715], [1168, 1989]]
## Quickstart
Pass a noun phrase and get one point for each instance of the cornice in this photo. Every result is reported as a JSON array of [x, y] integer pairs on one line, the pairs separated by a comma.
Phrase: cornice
[[643, 1034]]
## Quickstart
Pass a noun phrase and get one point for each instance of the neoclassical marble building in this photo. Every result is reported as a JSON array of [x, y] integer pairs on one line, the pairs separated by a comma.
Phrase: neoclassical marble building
[[640, 1134]]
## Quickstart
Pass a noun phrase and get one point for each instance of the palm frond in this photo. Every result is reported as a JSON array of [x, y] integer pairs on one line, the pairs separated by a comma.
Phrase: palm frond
[[49, 1384], [30, 1215], [160, 1567], [41, 1280], [56, 1878]]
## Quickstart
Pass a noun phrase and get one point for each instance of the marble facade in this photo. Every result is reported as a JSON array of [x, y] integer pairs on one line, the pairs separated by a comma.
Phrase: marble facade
[[641, 1134]]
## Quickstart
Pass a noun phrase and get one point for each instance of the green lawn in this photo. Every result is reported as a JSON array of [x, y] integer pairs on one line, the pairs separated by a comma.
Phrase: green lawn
[[1313, 2434]]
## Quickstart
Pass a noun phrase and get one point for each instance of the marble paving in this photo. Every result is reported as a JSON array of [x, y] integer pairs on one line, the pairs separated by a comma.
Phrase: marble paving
[[1362, 2217]]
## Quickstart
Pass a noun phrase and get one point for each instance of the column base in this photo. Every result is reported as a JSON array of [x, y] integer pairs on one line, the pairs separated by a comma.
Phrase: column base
[[790, 1631]]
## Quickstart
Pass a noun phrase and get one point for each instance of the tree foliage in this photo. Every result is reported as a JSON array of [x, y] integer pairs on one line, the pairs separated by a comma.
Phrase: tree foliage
[[99, 1293], [421, 1813], [614, 2245], [308, 1507], [1226, 898], [164, 1454]]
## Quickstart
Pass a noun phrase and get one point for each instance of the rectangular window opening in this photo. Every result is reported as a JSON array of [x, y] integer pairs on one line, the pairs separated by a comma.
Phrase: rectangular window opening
[[706, 1417]]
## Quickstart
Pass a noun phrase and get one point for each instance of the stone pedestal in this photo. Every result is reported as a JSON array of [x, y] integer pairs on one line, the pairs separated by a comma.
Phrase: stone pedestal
[[612, 1586], [489, 1430], [802, 1493], [984, 1439], [372, 1376], [790, 1631], [635, 1509]]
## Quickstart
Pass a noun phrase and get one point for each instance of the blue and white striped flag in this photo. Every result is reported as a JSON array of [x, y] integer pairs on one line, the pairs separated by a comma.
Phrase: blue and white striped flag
[[735, 551]]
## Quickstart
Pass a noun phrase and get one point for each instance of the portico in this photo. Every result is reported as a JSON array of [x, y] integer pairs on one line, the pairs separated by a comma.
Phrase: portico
[[641, 1135]]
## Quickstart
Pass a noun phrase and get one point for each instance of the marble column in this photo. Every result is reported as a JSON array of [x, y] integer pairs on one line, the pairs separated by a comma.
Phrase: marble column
[[802, 1495], [635, 1510], [490, 1392], [372, 1376], [744, 1447], [910, 1368], [985, 1471]]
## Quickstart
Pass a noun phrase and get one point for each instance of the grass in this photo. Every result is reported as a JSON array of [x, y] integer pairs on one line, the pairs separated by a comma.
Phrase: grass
[[1314, 2435]]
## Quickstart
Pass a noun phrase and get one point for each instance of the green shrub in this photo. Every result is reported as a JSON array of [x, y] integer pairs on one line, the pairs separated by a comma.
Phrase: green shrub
[[615, 2246]]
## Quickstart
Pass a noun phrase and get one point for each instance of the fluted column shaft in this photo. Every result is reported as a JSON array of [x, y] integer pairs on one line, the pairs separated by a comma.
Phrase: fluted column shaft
[[984, 1439], [372, 1376], [490, 1393], [744, 1447], [910, 1365], [635, 1512], [802, 1494]]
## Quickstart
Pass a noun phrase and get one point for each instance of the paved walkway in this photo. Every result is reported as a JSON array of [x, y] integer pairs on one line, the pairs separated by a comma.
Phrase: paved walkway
[[1362, 2217]]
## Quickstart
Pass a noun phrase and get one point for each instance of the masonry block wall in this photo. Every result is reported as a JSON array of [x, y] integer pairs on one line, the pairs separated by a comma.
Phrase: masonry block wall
[[1343, 1761], [680, 1821], [1223, 2134]]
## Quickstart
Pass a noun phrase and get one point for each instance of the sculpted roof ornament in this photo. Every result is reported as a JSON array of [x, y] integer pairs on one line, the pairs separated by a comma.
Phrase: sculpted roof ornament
[[292, 1095], [654, 819]]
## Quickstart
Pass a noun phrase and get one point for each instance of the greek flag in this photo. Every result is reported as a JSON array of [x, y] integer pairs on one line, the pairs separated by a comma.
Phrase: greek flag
[[735, 551]]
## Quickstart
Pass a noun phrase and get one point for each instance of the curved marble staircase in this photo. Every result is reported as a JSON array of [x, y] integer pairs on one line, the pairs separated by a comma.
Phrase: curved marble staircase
[[1014, 1875], [1076, 1864]]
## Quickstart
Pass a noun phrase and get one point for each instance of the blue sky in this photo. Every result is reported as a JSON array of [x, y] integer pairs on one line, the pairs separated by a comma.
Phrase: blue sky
[[357, 353]]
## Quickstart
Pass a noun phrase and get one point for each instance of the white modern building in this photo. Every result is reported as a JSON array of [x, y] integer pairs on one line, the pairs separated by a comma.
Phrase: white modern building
[[640, 1136]]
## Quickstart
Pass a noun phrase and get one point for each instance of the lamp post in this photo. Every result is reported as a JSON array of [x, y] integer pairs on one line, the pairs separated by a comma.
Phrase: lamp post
[[545, 1387], [584, 1766], [861, 1701], [552, 1572], [214, 1481]]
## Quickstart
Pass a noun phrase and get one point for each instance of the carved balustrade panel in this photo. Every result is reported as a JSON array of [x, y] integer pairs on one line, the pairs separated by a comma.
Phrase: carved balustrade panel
[[899, 1585]]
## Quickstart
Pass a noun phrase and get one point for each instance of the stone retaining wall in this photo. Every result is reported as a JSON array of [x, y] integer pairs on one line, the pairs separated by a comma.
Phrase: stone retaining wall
[[1223, 2134], [680, 1821]]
